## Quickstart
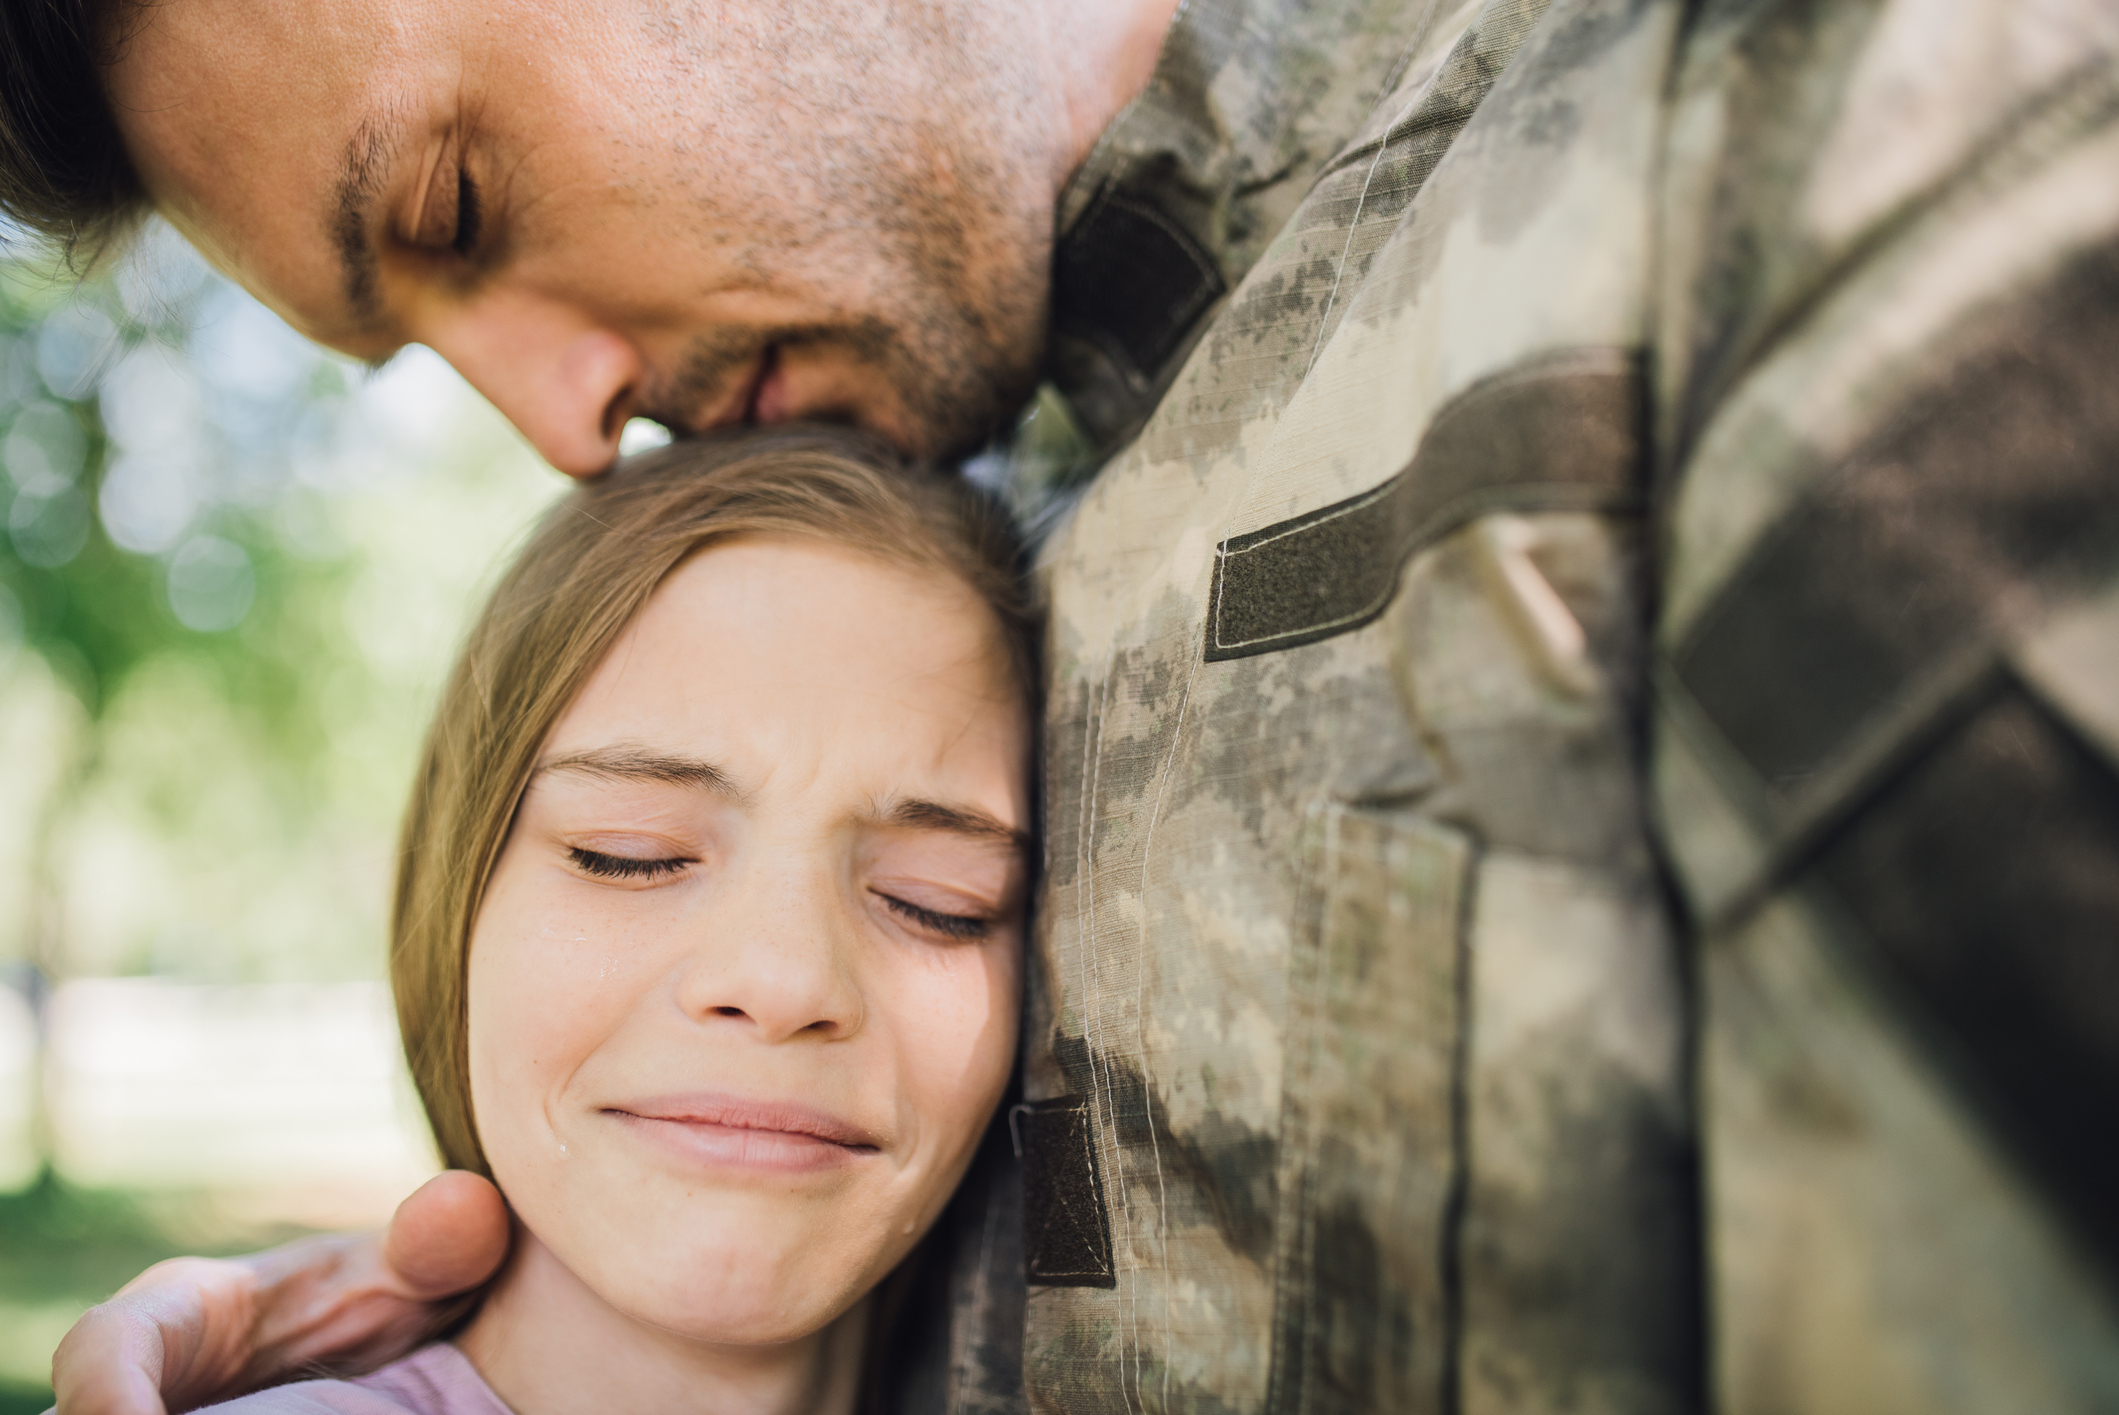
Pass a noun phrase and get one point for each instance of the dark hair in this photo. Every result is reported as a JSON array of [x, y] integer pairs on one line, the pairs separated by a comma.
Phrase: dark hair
[[64, 171]]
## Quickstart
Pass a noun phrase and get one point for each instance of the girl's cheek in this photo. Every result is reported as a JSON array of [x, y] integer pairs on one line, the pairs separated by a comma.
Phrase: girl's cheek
[[558, 992], [558, 938], [963, 1023], [545, 985]]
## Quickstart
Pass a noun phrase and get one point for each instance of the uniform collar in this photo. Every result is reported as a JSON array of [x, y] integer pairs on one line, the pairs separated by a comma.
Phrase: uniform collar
[[1187, 187]]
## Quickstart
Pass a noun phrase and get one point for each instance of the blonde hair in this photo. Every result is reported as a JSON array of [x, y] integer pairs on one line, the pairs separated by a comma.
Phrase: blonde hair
[[579, 581]]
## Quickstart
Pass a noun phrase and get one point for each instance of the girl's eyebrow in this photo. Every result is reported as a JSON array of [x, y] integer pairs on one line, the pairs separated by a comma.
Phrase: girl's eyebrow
[[958, 820], [619, 763], [641, 764]]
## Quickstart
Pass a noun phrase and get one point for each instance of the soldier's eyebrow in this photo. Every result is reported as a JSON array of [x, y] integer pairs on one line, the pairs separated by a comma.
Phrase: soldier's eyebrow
[[622, 763], [957, 820], [351, 220]]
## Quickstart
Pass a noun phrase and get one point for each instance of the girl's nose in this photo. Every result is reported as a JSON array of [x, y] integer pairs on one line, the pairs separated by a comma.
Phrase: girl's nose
[[776, 957]]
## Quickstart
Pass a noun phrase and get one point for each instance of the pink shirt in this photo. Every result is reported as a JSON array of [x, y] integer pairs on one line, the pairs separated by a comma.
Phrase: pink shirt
[[434, 1380]]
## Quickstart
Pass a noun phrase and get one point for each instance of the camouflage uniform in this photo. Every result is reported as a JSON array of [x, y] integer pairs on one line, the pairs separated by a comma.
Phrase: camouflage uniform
[[1583, 836]]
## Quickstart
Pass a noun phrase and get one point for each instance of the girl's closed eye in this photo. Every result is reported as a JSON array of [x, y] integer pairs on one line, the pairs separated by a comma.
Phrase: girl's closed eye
[[956, 926], [626, 867]]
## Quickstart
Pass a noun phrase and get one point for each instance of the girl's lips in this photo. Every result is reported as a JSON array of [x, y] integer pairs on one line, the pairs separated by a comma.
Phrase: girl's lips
[[726, 1131]]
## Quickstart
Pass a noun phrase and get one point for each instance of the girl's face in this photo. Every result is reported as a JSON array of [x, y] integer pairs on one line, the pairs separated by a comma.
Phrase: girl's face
[[743, 988]]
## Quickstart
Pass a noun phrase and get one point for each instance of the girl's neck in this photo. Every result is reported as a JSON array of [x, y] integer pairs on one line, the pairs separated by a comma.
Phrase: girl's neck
[[547, 1345]]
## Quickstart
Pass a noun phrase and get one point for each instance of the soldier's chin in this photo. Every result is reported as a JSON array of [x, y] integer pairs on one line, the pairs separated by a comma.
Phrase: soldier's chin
[[934, 416]]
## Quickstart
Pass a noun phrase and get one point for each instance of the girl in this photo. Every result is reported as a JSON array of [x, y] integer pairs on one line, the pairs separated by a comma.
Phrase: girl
[[708, 931]]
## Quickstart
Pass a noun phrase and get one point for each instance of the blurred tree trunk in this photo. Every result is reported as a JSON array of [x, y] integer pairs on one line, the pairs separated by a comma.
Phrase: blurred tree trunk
[[46, 924]]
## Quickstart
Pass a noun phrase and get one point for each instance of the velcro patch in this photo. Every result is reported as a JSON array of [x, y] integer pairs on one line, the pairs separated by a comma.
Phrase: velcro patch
[[1565, 434], [1066, 1228]]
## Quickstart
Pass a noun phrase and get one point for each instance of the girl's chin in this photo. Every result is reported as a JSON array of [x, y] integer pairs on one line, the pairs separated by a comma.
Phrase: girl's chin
[[737, 1294], [742, 1264]]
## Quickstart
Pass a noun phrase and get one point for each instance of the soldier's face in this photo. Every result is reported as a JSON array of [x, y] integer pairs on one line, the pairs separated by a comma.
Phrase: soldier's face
[[707, 214]]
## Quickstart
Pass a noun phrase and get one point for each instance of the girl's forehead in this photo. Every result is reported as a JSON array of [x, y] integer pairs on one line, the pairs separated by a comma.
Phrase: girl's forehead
[[775, 656], [780, 603], [768, 571]]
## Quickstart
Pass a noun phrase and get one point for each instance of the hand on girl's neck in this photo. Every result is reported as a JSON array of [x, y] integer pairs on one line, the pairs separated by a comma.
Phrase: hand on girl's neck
[[548, 1345]]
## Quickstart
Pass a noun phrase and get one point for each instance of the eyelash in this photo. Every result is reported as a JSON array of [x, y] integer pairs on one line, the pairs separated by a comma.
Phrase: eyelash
[[948, 925], [467, 214], [595, 862]]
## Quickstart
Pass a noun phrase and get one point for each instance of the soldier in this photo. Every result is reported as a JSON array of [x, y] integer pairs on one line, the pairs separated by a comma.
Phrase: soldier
[[1582, 763]]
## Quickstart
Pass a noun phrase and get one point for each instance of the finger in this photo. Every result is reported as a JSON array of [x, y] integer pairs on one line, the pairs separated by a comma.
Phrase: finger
[[109, 1364], [448, 1236]]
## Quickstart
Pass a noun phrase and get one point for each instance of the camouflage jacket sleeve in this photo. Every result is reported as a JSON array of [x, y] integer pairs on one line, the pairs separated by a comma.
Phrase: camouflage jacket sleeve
[[1886, 687]]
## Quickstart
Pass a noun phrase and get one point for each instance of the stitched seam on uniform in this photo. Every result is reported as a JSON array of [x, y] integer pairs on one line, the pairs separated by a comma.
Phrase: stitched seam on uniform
[[1291, 1169], [1331, 301], [1084, 907], [1091, 1025], [1401, 130], [1198, 662], [1169, 757], [1391, 137], [1347, 158], [1147, 851], [1128, 1294], [1405, 56], [1324, 319]]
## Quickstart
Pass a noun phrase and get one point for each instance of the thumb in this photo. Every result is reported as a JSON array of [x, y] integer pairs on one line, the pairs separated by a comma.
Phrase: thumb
[[449, 1235]]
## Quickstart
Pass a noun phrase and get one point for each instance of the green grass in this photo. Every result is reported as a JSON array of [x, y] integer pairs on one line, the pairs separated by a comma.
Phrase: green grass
[[24, 1400], [63, 1249], [57, 1241]]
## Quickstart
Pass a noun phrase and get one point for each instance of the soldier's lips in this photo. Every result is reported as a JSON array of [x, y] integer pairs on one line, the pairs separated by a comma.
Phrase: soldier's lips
[[760, 398], [731, 1132]]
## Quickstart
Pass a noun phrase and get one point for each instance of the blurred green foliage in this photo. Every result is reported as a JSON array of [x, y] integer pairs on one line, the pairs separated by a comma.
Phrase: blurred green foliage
[[98, 612], [209, 584], [232, 568]]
